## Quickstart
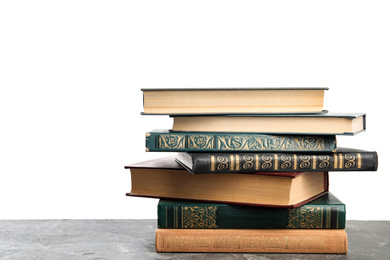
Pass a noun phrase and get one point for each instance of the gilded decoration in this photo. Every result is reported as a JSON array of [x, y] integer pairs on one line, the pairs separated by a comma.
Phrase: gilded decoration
[[170, 141], [269, 143], [222, 163], [324, 161], [305, 217], [248, 162], [240, 142], [199, 217], [305, 161], [267, 162], [284, 162], [349, 161], [200, 142]]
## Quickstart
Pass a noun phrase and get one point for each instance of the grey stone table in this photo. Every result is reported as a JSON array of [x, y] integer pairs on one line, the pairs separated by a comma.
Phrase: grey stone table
[[134, 239]]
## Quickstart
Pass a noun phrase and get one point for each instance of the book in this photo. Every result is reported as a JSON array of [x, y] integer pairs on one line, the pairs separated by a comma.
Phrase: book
[[326, 212], [164, 178], [169, 141], [172, 101], [333, 241], [321, 123], [343, 159]]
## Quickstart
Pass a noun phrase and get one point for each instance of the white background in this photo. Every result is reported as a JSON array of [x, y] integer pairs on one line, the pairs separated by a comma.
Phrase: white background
[[71, 73]]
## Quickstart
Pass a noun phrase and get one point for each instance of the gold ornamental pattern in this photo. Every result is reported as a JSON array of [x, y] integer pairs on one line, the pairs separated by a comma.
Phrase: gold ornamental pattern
[[306, 217], [169, 141], [199, 217], [240, 142], [283, 162], [270, 143]]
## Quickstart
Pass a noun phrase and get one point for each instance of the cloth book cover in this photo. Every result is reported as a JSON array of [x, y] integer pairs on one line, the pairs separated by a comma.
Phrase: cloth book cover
[[303, 124], [172, 101], [331, 241]]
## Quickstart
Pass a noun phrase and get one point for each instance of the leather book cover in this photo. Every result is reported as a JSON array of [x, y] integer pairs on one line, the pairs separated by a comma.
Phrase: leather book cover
[[171, 163], [170, 141], [326, 212], [166, 172], [344, 159]]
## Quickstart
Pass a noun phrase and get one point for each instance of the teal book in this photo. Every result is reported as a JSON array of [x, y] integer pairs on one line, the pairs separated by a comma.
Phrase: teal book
[[169, 141], [326, 212], [343, 159]]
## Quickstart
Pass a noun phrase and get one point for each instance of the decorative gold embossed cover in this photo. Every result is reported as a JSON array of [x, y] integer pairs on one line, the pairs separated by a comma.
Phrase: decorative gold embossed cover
[[326, 212], [169, 141], [344, 159]]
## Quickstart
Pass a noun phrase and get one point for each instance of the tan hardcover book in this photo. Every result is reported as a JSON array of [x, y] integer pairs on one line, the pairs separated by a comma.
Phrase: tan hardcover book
[[232, 100], [331, 241], [164, 178], [320, 123]]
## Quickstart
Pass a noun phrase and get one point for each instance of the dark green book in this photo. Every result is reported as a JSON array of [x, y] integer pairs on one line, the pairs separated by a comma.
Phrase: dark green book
[[168, 141], [326, 212], [343, 159]]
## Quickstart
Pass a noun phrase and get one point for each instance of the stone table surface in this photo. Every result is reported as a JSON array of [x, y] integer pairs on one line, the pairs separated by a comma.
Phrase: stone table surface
[[134, 239]]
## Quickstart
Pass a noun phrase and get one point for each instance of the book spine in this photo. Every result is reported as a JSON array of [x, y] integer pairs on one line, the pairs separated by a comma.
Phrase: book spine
[[224, 142], [283, 162], [222, 216], [252, 240]]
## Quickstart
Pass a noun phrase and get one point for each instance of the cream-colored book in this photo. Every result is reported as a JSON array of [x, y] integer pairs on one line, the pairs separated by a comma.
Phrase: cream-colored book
[[232, 100], [321, 123]]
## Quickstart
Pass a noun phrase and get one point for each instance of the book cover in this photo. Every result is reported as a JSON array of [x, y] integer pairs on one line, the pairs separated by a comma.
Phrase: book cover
[[304, 124], [326, 212], [170, 141], [173, 101], [332, 241], [165, 179], [344, 159]]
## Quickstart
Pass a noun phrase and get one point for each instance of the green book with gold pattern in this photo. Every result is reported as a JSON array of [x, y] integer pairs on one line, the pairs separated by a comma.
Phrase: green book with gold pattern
[[326, 212], [169, 141], [343, 159]]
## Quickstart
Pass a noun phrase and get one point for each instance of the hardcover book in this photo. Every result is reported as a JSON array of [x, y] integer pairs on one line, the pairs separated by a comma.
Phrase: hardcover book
[[164, 178], [326, 212], [169, 141], [332, 241], [319, 124], [232, 100], [344, 159]]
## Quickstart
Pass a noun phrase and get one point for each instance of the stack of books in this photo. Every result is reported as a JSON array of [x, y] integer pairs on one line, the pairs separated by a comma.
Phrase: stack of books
[[251, 170]]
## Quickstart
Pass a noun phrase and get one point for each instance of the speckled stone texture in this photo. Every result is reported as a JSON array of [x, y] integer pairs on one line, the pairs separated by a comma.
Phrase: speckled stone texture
[[134, 239]]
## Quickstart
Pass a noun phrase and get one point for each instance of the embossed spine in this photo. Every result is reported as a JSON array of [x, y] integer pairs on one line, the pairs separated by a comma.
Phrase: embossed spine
[[165, 141], [252, 240], [282, 162]]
